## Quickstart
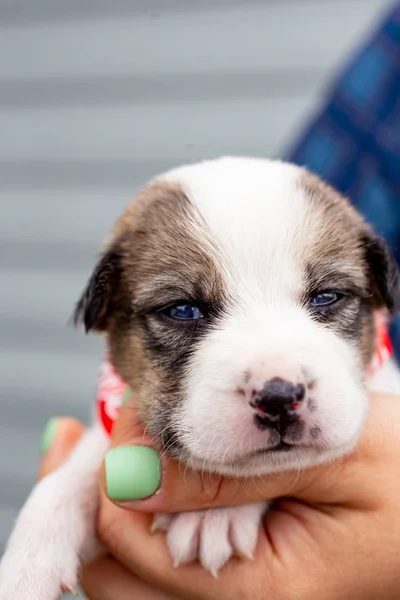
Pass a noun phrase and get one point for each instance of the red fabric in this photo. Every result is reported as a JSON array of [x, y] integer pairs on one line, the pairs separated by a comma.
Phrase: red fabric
[[110, 393], [384, 348]]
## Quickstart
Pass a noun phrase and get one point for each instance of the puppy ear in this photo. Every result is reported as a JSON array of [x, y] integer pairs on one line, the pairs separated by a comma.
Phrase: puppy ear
[[97, 301], [383, 273]]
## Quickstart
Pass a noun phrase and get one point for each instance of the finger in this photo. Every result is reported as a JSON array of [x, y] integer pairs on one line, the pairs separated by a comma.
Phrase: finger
[[126, 535], [180, 489], [105, 579], [65, 433]]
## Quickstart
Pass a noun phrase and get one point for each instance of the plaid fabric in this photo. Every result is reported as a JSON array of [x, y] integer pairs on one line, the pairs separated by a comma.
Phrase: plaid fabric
[[354, 141]]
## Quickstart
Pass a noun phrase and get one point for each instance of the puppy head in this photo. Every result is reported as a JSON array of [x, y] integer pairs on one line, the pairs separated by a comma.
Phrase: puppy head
[[238, 297]]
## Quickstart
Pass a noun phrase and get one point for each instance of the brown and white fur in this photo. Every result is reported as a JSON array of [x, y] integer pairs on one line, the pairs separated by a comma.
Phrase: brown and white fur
[[250, 243]]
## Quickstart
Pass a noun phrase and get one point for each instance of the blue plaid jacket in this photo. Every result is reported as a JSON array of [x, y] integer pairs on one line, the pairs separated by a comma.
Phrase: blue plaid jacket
[[354, 141]]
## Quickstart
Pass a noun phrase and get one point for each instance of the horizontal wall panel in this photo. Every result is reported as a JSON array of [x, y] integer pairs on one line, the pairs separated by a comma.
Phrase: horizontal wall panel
[[181, 131], [247, 36]]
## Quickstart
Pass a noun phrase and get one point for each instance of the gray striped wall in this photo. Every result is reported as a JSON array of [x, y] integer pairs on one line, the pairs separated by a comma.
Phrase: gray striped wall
[[96, 96]]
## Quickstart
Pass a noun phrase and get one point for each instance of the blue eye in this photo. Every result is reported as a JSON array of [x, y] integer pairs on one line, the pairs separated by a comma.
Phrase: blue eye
[[325, 298], [183, 312]]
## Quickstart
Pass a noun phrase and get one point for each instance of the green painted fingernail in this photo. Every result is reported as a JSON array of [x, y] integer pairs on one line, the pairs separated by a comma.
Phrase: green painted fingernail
[[132, 473], [127, 395], [48, 434]]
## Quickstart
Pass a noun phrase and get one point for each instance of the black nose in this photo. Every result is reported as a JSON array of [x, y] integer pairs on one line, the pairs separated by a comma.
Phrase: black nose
[[277, 401]]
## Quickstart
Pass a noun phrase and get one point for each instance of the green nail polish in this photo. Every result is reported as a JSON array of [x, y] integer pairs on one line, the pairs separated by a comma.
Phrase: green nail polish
[[132, 473], [127, 395], [48, 434]]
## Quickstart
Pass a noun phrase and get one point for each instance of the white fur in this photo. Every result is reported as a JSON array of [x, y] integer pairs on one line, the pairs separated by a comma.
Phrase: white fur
[[258, 222], [213, 536], [217, 421], [55, 530]]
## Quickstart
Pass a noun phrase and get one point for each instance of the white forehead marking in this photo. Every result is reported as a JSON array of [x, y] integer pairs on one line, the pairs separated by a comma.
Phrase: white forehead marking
[[257, 214]]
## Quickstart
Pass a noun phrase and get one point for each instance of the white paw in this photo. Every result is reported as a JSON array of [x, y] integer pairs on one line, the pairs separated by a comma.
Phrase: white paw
[[24, 576], [55, 529], [212, 536], [40, 562]]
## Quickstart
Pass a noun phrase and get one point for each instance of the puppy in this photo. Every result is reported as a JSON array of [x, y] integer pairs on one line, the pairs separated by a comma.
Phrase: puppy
[[239, 298]]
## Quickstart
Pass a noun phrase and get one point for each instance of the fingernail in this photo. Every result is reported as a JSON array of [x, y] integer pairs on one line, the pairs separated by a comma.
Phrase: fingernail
[[127, 395], [48, 434], [132, 473]]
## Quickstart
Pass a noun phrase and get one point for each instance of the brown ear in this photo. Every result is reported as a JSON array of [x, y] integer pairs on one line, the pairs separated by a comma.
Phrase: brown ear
[[98, 299], [383, 273]]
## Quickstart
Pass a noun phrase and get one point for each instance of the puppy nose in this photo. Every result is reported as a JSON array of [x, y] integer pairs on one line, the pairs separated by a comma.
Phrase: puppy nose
[[278, 398]]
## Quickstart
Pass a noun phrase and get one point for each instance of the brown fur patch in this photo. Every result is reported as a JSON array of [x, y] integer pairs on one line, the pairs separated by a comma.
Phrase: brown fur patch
[[162, 261], [335, 259]]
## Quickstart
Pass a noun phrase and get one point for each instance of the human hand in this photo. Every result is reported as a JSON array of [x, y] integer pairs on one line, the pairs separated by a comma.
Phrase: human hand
[[338, 536]]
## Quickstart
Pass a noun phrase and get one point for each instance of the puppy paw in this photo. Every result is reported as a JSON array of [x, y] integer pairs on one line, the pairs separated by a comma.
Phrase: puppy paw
[[42, 557], [212, 536], [40, 574]]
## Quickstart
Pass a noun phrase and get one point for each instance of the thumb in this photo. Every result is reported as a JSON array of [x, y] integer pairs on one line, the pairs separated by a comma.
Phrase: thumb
[[136, 477], [59, 439]]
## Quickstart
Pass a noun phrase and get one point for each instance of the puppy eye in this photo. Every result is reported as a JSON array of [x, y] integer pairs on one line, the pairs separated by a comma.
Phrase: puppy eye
[[183, 312], [325, 298]]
